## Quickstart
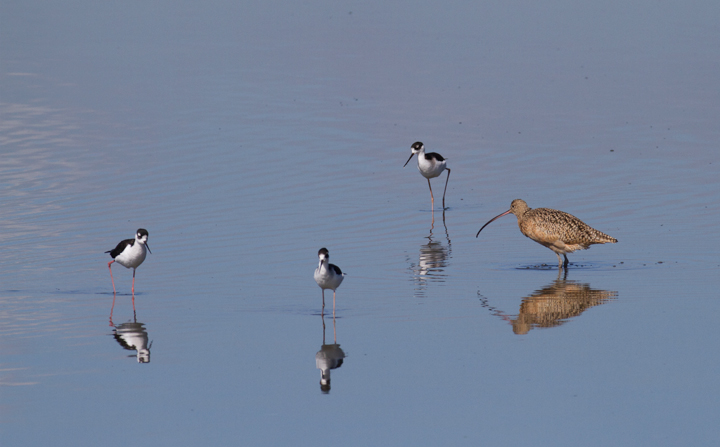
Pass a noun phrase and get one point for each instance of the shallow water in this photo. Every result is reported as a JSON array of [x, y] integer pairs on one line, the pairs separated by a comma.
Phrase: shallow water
[[244, 137]]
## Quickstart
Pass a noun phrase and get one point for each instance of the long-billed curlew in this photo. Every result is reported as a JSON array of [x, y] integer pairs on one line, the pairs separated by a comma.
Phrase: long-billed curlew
[[557, 230], [430, 165]]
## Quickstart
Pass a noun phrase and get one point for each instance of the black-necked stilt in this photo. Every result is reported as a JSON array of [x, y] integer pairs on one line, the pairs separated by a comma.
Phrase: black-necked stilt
[[430, 166], [130, 253], [327, 276]]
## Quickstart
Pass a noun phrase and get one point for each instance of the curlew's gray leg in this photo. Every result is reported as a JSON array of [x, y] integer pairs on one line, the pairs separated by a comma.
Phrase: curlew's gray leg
[[565, 264], [560, 261], [432, 199], [562, 275], [446, 182]]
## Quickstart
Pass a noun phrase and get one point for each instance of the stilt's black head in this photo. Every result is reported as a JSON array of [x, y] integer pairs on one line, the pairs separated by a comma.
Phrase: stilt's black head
[[142, 237], [415, 148]]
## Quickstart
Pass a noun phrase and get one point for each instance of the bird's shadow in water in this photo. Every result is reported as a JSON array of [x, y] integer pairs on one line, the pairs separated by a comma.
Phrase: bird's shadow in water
[[329, 357], [552, 305], [433, 259], [132, 336]]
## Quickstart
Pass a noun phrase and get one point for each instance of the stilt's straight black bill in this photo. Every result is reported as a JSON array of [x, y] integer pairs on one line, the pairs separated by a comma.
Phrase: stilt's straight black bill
[[411, 156]]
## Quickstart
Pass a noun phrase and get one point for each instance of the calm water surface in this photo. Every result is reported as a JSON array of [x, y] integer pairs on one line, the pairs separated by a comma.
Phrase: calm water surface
[[244, 137]]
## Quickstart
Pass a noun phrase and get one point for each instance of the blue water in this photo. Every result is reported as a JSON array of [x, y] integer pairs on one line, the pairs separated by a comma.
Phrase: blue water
[[244, 137]]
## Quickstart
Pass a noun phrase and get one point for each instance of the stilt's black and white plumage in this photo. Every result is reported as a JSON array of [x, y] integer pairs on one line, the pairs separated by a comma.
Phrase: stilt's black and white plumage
[[130, 253], [430, 165], [327, 276]]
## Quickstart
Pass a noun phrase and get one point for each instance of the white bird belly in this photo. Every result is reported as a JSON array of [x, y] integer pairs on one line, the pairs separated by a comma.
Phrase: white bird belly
[[430, 169], [327, 280], [132, 257]]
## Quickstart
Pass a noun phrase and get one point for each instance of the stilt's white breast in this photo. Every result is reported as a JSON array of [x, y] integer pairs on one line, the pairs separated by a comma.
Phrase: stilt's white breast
[[326, 278], [132, 256], [430, 168]]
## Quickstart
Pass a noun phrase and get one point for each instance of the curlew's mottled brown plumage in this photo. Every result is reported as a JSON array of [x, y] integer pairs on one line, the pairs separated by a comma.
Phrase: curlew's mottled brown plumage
[[557, 230], [555, 304]]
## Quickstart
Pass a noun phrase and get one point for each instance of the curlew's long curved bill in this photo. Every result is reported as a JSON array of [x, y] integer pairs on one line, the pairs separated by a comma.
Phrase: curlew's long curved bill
[[411, 156], [491, 220]]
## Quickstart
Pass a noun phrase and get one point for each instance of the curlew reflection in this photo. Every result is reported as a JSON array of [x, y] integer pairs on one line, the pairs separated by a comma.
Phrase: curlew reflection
[[132, 336], [330, 356], [433, 259], [553, 305]]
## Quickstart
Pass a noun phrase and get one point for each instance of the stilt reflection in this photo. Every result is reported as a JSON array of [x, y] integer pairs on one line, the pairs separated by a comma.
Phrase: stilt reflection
[[132, 335], [330, 356], [433, 260], [552, 305]]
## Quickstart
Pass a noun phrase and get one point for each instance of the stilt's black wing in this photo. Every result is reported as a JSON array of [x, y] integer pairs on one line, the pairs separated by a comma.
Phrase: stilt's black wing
[[120, 247], [434, 155], [336, 268]]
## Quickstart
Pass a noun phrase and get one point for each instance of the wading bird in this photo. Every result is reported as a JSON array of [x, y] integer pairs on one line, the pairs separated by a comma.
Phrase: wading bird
[[430, 165], [130, 253], [327, 276], [557, 230]]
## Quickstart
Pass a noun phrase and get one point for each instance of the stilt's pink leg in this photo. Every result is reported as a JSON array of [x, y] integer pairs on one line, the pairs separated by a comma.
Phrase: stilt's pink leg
[[133, 291], [111, 310], [446, 182], [111, 277], [322, 317], [432, 199], [334, 332]]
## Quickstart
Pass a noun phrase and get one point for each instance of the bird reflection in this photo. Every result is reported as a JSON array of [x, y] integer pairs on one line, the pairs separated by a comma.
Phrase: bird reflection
[[330, 356], [132, 336], [553, 305], [433, 259]]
